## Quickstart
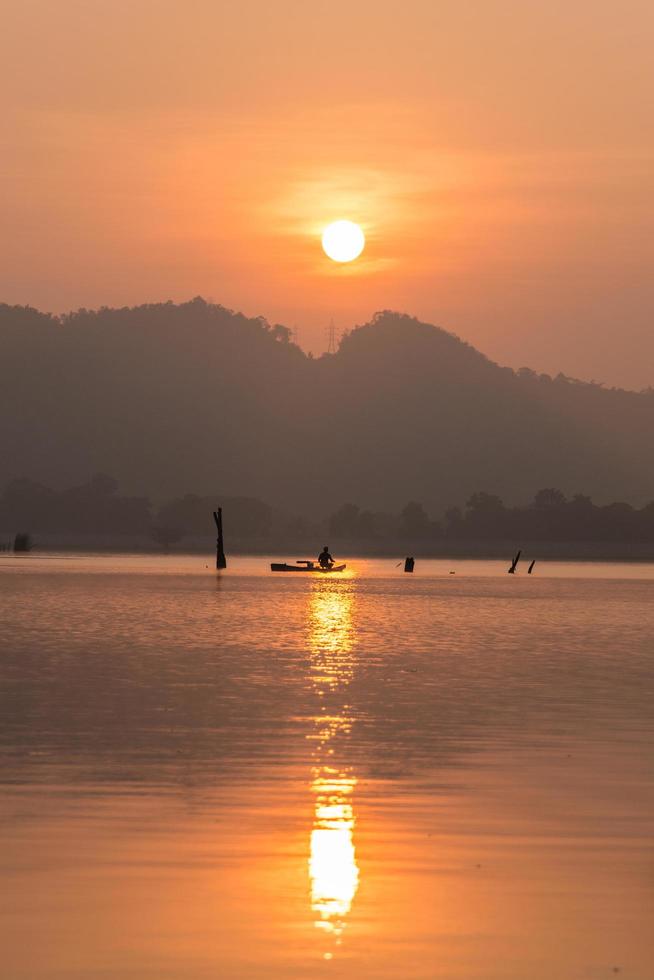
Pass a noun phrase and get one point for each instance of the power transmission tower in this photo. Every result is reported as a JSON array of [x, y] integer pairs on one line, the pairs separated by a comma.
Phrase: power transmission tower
[[331, 338]]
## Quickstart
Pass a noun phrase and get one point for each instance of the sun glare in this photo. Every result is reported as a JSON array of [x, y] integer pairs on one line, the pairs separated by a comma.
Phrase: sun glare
[[343, 241]]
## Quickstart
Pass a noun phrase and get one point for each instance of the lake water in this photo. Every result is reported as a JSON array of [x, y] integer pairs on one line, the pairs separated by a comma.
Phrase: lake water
[[367, 775]]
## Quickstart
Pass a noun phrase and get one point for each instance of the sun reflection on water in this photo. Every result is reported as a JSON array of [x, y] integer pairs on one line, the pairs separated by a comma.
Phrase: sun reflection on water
[[333, 868], [331, 635]]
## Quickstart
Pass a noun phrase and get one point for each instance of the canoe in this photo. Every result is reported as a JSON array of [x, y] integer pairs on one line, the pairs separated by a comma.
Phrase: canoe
[[304, 566]]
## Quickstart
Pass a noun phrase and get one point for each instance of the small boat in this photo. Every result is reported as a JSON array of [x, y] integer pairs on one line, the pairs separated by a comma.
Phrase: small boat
[[305, 566]]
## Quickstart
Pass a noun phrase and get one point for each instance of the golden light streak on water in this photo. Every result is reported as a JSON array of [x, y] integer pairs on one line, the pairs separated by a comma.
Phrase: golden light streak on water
[[333, 868], [331, 634], [468, 796]]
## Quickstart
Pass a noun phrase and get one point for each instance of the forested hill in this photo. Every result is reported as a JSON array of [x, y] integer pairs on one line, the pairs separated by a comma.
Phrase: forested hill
[[170, 397]]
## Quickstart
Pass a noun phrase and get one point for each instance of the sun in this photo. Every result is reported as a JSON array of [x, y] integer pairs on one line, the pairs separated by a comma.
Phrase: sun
[[343, 241]]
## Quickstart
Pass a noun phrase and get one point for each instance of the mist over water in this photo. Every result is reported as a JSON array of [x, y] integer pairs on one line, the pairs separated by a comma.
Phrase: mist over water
[[367, 774]]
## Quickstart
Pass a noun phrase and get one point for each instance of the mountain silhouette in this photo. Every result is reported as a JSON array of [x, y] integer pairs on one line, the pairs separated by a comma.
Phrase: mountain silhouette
[[193, 397]]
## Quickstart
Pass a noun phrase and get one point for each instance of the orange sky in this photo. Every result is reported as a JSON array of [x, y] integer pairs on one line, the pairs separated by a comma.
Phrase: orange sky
[[499, 155]]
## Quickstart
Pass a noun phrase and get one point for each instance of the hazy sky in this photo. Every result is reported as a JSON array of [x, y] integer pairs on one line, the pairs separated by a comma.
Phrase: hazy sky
[[499, 155]]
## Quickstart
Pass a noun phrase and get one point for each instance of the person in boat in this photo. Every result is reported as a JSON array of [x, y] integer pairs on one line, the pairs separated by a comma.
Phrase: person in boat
[[325, 560]]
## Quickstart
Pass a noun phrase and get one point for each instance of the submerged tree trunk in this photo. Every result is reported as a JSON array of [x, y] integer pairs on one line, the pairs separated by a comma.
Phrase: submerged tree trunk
[[221, 561]]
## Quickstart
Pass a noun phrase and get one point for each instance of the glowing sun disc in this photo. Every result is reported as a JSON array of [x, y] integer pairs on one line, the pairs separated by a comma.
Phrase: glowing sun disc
[[343, 241]]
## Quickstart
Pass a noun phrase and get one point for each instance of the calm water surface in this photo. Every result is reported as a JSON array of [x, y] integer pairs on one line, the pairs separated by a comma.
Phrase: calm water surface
[[365, 775]]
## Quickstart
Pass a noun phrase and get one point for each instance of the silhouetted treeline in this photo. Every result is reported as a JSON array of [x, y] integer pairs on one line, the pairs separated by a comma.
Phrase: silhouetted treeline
[[93, 507], [248, 517], [171, 397], [96, 508], [349, 521], [549, 517]]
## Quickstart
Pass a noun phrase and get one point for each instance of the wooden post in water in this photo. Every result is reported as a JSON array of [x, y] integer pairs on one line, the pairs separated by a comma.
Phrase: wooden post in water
[[529, 570], [22, 542], [221, 561], [408, 564], [514, 563]]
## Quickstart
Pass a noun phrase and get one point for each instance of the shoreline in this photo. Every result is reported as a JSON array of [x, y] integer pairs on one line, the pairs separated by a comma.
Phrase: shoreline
[[292, 549]]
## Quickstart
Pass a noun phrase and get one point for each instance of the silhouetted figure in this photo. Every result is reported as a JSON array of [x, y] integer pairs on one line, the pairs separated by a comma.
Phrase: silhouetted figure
[[408, 564], [22, 542], [325, 560]]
